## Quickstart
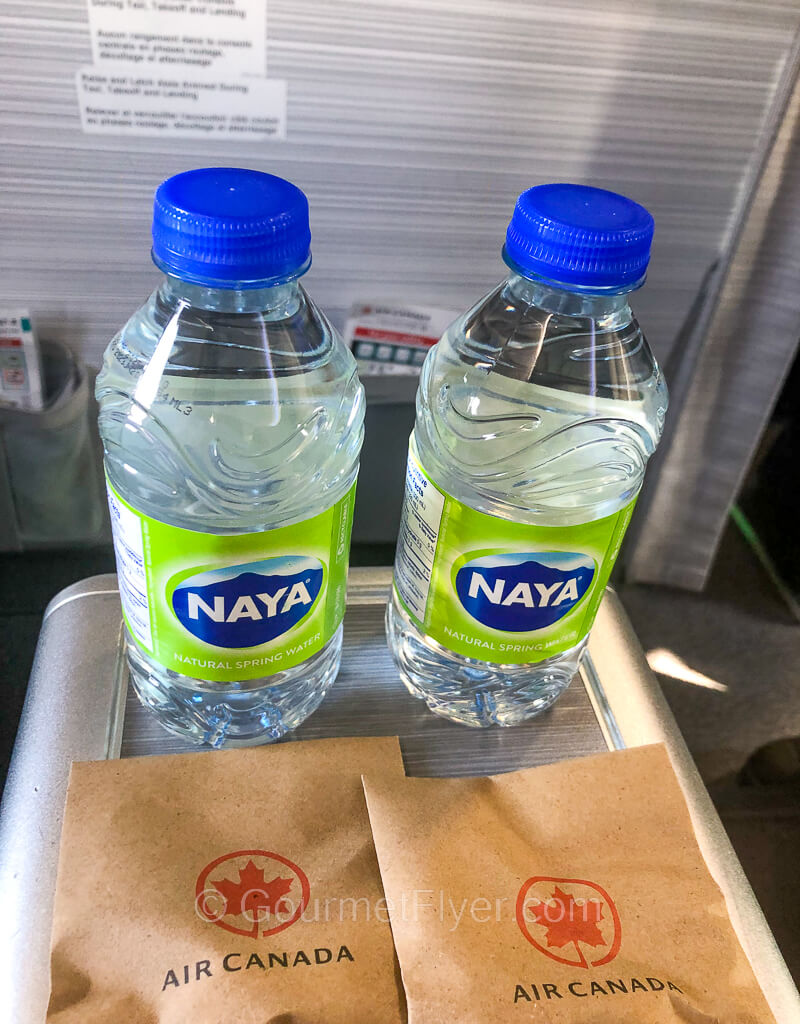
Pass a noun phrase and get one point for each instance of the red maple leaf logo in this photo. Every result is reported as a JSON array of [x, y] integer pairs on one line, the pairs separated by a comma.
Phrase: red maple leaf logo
[[271, 890], [589, 920], [253, 894], [569, 920]]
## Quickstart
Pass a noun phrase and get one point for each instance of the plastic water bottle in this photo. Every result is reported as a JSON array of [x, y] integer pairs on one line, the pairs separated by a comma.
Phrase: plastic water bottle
[[232, 419], [536, 414]]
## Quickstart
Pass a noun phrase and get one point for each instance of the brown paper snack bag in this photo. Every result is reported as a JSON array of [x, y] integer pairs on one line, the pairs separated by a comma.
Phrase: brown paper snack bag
[[232, 887], [570, 893]]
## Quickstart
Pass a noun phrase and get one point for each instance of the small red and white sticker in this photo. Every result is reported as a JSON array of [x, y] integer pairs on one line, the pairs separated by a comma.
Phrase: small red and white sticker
[[13, 377], [390, 338], [20, 372]]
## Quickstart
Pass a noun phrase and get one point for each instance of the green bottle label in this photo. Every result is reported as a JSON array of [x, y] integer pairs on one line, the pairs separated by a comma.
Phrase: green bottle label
[[495, 590], [234, 607]]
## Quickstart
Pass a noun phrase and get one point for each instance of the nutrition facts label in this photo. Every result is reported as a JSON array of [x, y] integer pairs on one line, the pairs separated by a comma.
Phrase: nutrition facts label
[[419, 533], [129, 549]]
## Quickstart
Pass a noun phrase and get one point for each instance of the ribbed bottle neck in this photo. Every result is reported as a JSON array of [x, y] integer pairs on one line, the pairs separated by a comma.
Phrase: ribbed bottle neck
[[546, 295], [276, 300]]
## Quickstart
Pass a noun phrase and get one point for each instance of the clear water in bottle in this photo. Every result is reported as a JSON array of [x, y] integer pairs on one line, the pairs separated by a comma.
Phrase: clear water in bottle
[[232, 420], [536, 414]]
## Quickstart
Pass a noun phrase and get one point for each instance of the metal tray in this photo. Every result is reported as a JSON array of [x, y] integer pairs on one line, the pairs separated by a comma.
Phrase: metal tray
[[79, 707]]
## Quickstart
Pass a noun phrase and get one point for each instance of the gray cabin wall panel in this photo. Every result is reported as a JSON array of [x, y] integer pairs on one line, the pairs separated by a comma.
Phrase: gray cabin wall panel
[[411, 126]]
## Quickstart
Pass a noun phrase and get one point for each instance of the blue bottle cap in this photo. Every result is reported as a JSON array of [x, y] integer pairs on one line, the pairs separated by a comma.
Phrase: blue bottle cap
[[580, 237], [227, 227]]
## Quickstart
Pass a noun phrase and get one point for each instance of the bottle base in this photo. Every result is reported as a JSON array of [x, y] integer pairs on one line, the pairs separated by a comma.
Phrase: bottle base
[[244, 714], [474, 693]]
